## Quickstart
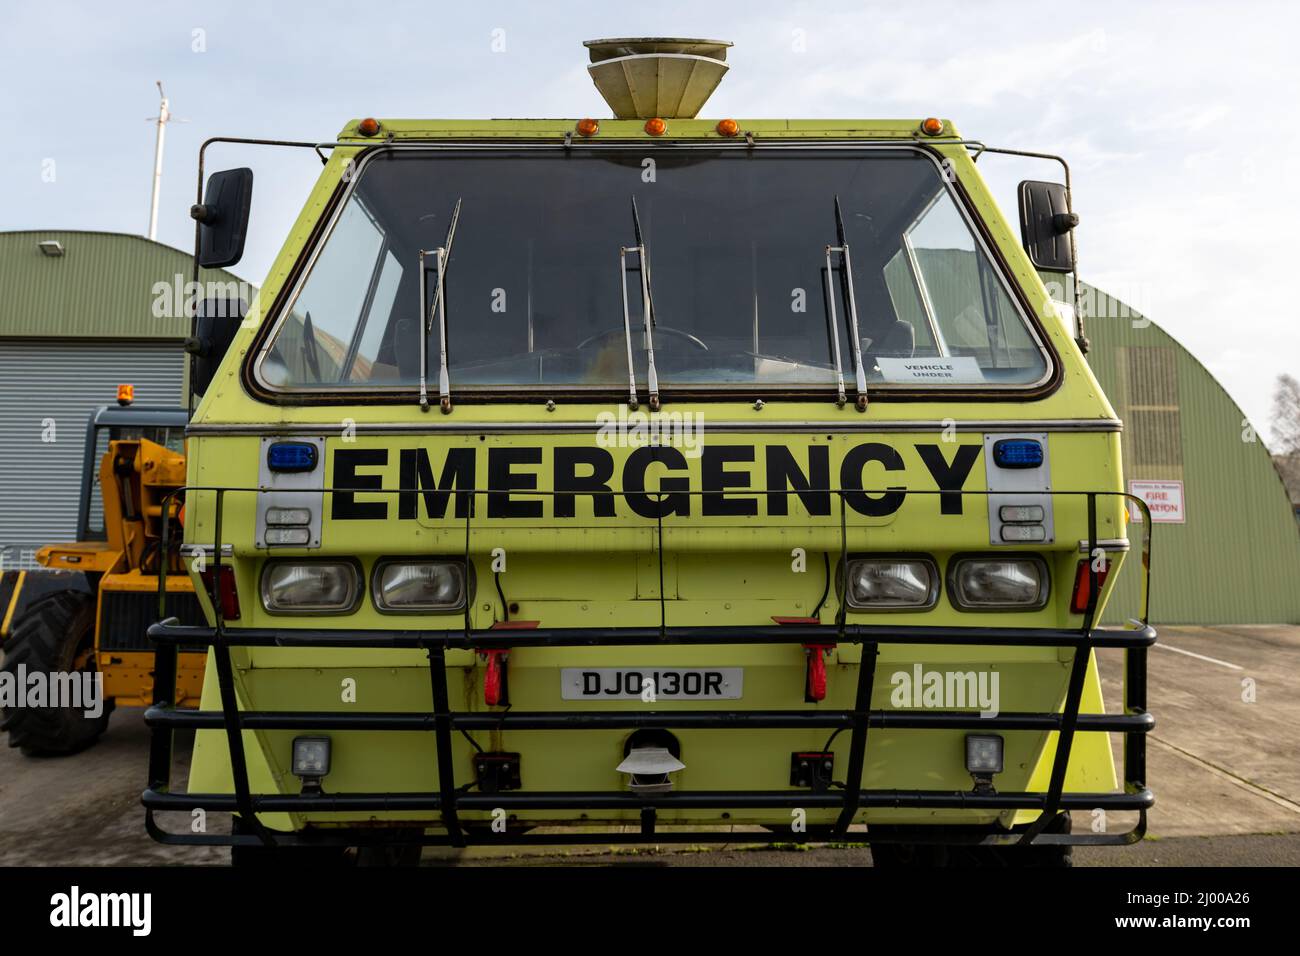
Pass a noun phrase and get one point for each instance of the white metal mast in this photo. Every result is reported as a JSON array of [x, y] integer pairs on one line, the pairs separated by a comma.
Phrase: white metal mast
[[164, 115]]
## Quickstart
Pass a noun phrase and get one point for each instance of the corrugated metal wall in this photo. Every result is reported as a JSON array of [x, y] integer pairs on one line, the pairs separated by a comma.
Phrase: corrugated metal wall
[[48, 389], [1236, 560], [105, 285], [109, 310]]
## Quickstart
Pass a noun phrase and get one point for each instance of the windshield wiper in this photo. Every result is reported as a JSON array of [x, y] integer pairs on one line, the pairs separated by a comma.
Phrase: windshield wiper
[[442, 254], [846, 274], [647, 315]]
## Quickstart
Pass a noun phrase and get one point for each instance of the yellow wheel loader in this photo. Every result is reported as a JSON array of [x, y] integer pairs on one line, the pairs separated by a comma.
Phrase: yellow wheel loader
[[74, 642]]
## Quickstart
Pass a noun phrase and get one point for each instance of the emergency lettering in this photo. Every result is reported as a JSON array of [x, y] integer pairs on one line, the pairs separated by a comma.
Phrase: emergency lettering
[[655, 481]]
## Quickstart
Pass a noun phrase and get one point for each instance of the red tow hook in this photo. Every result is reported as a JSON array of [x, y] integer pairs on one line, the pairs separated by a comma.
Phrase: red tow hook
[[815, 688], [495, 688], [492, 681], [817, 669]]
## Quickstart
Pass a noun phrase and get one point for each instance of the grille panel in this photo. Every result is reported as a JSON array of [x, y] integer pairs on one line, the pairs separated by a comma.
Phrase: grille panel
[[126, 616]]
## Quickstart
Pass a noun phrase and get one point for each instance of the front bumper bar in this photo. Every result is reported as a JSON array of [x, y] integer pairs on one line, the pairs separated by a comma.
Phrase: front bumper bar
[[450, 799], [164, 719]]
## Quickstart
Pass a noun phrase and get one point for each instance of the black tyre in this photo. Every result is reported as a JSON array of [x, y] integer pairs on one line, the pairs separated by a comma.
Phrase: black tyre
[[56, 635], [392, 854], [906, 855], [281, 857]]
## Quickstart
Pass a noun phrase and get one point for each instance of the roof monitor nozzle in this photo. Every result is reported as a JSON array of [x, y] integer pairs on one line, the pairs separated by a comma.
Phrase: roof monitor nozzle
[[665, 77]]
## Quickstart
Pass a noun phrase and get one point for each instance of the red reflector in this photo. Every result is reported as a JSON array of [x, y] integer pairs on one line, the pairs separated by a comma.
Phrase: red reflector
[[228, 596], [1083, 586]]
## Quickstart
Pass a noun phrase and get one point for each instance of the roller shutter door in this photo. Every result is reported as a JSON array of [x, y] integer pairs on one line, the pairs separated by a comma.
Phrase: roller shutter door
[[63, 381]]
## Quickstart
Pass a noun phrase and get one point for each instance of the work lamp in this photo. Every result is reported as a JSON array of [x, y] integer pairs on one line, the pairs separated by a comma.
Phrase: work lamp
[[311, 761], [983, 759]]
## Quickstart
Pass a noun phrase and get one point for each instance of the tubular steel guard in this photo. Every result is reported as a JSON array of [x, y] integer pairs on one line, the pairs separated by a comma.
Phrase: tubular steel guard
[[163, 719]]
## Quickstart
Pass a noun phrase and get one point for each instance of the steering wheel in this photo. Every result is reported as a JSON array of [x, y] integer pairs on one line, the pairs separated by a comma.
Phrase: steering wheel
[[667, 330]]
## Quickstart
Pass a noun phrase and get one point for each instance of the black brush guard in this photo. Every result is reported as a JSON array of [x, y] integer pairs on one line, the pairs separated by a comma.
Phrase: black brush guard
[[163, 719]]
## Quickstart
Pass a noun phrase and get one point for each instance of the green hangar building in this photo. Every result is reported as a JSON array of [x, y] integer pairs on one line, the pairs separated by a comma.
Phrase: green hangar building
[[1226, 543], [82, 312]]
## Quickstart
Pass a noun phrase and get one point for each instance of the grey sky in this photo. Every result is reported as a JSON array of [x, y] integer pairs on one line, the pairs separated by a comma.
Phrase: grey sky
[[1178, 119]]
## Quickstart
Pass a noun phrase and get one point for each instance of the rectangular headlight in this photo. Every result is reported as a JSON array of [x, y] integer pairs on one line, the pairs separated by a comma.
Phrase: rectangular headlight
[[998, 583], [892, 583], [419, 587], [310, 587]]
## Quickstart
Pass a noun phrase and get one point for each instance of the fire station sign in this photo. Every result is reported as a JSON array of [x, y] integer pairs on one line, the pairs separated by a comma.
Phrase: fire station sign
[[1164, 498]]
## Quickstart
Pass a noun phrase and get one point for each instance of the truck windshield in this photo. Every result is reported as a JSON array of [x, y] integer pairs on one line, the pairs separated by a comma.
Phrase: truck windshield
[[737, 249]]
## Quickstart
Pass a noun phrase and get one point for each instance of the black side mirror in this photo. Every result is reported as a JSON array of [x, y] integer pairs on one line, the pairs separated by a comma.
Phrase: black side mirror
[[223, 217], [214, 329], [1045, 225]]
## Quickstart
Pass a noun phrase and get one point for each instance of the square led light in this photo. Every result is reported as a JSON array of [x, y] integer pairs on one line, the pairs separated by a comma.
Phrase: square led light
[[983, 753], [311, 757]]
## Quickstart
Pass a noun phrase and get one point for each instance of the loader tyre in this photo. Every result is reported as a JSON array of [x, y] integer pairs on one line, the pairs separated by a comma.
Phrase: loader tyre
[[55, 635]]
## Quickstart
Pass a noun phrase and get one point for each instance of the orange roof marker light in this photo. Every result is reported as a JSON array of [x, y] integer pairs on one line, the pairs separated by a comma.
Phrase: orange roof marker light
[[125, 394], [656, 126], [728, 127], [932, 126], [368, 126], [588, 127]]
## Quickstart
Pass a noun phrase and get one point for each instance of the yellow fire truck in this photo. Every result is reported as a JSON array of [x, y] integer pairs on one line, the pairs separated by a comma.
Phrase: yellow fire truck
[[803, 522]]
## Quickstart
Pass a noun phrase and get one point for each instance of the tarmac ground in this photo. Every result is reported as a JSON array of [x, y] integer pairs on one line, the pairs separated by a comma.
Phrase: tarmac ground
[[1222, 760]]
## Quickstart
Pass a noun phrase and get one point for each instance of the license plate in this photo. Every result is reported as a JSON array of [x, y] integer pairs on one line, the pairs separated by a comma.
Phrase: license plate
[[658, 683]]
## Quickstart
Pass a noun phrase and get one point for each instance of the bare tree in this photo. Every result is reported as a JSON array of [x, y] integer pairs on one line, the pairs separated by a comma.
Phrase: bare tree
[[1285, 423]]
